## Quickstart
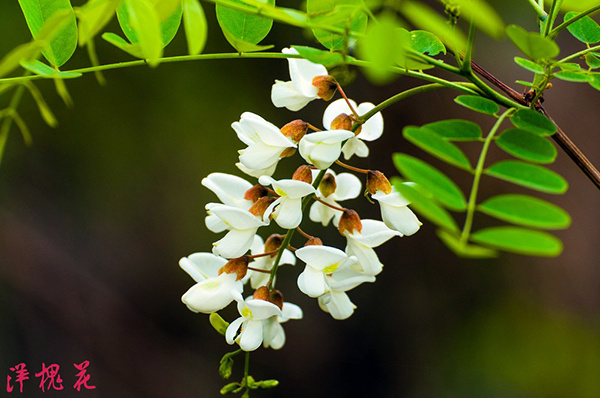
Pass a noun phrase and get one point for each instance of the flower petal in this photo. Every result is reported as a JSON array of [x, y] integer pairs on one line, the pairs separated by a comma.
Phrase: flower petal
[[288, 214], [354, 146], [321, 257], [321, 213], [303, 72], [214, 224], [259, 130], [372, 128], [201, 266], [290, 311], [339, 305], [212, 294], [368, 262], [312, 282], [374, 233], [257, 172], [235, 243], [402, 219], [348, 279], [232, 329], [260, 156], [335, 109], [230, 189], [274, 335], [348, 187], [285, 94], [262, 309], [232, 216], [252, 335]]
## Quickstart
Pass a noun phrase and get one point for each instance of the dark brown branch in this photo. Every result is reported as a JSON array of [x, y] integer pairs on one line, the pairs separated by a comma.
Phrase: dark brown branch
[[496, 82]]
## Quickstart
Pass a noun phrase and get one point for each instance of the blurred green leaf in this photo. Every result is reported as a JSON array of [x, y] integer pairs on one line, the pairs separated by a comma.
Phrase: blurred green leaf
[[338, 14], [483, 15], [519, 240], [218, 323], [119, 42], [478, 104], [456, 129], [576, 5], [23, 52], [594, 80], [243, 31], [93, 17], [41, 69], [432, 143], [443, 189], [533, 121], [196, 28], [592, 60], [426, 43], [532, 44], [570, 76], [452, 241], [528, 175], [326, 58], [527, 145], [526, 210], [43, 107], [529, 65], [63, 43], [585, 29], [141, 25]]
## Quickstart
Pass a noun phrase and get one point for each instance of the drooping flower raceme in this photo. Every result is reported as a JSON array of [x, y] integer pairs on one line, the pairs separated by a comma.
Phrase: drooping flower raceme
[[323, 148], [395, 212], [335, 301], [273, 333], [287, 209], [254, 314], [368, 131], [212, 292], [297, 93], [265, 143], [361, 243], [258, 279], [333, 189]]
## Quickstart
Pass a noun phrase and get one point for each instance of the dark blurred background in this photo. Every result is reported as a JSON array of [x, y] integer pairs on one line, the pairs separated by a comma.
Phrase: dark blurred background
[[95, 216]]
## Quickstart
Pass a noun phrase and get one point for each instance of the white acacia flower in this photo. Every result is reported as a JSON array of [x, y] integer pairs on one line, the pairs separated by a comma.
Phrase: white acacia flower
[[265, 143], [212, 292], [369, 131], [287, 209], [242, 226], [230, 190], [336, 302], [258, 279], [395, 212], [360, 244], [321, 262], [254, 314], [273, 333], [323, 148], [347, 186], [298, 92]]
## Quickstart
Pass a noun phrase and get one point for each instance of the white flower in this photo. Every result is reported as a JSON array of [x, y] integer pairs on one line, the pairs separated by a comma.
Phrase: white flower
[[324, 147], [321, 261], [348, 186], [230, 190], [336, 301], [258, 279], [288, 207], [212, 292], [395, 212], [273, 333], [298, 92], [242, 226], [254, 313], [360, 244], [369, 131], [265, 144]]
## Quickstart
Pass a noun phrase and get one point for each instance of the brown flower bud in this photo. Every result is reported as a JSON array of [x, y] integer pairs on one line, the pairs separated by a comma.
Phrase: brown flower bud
[[273, 243], [314, 242], [326, 86], [349, 221], [377, 181], [237, 266], [303, 173], [262, 293], [288, 152], [327, 185], [277, 298], [295, 130], [255, 193], [259, 207], [342, 122]]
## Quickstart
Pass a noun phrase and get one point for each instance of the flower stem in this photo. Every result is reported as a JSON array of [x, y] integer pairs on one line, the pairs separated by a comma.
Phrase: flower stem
[[253, 256], [246, 369], [347, 166], [313, 128], [539, 10], [341, 90], [554, 32], [315, 197], [264, 271], [577, 55], [307, 236]]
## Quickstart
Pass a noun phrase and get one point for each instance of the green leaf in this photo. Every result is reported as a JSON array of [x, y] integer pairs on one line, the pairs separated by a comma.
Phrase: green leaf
[[93, 17], [119, 42], [519, 240], [592, 60], [443, 189], [432, 143], [196, 28], [594, 80], [426, 43], [452, 241], [528, 175], [456, 130], [577, 5], [526, 210], [527, 145], [41, 69], [163, 13], [572, 66], [243, 46], [530, 66], [218, 323], [525, 83], [534, 45], [533, 121], [337, 14], [243, 30], [63, 43], [141, 25], [425, 206], [326, 58], [576, 77], [43, 107], [478, 104], [23, 52], [585, 29], [484, 17]]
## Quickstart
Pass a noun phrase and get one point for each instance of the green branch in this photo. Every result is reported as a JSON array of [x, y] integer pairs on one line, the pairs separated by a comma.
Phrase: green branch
[[576, 18], [577, 54], [539, 9], [8, 119]]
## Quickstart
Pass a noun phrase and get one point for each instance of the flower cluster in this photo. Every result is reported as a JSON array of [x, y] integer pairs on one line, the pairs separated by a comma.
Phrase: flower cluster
[[242, 258]]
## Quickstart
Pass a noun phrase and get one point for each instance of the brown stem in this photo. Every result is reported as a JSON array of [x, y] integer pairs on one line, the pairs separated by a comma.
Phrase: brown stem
[[498, 83], [313, 128], [347, 101], [347, 166], [266, 271], [329, 204], [307, 236], [292, 248], [263, 254]]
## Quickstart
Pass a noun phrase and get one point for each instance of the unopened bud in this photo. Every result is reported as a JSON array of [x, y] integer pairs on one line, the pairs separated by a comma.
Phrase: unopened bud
[[349, 221], [277, 298], [326, 86], [314, 242], [229, 388], [342, 122], [273, 243], [218, 323], [262, 293], [303, 173], [255, 193], [260, 206], [237, 266], [377, 181], [288, 152], [295, 130], [328, 185]]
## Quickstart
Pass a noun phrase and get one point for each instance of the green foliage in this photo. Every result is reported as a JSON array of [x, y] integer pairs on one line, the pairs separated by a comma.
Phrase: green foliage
[[466, 250], [483, 16], [527, 145], [592, 60], [328, 59], [585, 29], [533, 121], [426, 43], [519, 240], [572, 76], [218, 323], [93, 17], [443, 189], [530, 66], [226, 365], [432, 143], [242, 30], [140, 23], [344, 14], [196, 28], [119, 42], [526, 210], [528, 175], [456, 130], [41, 69], [532, 44], [24, 52], [478, 104], [62, 45]]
